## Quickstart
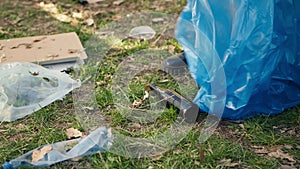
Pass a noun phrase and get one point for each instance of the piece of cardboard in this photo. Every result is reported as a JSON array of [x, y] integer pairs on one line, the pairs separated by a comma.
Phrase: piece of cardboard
[[50, 49]]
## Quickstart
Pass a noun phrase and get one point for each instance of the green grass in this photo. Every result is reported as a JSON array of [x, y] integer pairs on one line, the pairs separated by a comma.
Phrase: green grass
[[232, 143]]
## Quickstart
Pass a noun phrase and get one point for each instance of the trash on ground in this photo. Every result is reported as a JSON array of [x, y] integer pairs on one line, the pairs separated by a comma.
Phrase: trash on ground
[[37, 155], [142, 32], [244, 53], [55, 12], [44, 50], [118, 2], [90, 22], [188, 110], [99, 140], [29, 87], [73, 133], [158, 20], [63, 17]]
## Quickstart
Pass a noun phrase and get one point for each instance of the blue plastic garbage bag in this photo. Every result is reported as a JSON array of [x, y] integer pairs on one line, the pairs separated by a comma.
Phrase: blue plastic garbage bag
[[255, 43]]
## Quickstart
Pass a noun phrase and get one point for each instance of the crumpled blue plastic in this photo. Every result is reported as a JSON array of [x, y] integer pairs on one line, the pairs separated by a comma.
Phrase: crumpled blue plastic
[[257, 44]]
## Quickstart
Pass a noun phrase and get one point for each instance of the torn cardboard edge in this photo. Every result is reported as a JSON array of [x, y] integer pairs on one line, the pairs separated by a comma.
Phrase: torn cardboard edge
[[65, 49]]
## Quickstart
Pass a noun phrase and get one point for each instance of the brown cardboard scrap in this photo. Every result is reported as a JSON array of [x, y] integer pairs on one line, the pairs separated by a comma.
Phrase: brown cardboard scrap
[[48, 49]]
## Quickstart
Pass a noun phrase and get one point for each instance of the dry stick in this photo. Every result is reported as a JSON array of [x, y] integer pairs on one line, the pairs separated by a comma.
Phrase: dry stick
[[164, 30]]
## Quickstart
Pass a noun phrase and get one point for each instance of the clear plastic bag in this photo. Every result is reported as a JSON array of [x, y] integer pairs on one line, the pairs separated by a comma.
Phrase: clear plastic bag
[[27, 87], [99, 140], [257, 44]]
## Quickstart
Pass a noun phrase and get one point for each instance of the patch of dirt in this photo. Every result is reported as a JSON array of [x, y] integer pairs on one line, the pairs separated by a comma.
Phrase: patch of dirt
[[237, 135], [93, 14]]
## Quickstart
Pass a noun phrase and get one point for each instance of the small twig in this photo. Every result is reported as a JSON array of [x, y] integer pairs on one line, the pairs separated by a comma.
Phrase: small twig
[[164, 30]]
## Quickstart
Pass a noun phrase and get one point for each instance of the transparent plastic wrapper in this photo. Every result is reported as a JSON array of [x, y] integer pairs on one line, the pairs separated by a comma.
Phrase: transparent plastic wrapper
[[257, 44], [98, 141], [142, 32], [27, 87]]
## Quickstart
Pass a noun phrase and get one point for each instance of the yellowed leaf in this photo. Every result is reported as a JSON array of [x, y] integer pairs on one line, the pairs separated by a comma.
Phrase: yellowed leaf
[[39, 154], [73, 133], [78, 15]]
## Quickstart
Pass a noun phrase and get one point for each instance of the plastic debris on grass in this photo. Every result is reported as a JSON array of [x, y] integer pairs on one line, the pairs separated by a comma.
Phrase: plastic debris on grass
[[99, 140], [142, 32], [27, 87]]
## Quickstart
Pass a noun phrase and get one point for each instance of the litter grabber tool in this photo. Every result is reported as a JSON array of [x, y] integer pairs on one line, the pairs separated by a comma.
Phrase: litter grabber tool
[[187, 109]]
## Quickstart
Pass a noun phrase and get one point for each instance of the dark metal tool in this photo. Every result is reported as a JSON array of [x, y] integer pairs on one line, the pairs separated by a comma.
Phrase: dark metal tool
[[187, 109]]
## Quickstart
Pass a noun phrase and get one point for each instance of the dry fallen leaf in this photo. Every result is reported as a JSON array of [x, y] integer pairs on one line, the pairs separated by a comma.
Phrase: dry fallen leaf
[[275, 151], [259, 149], [197, 163], [228, 163], [39, 154], [288, 147], [136, 103], [136, 125], [90, 22], [73, 133], [74, 22], [94, 1], [48, 7], [171, 48], [242, 126], [62, 18], [287, 167], [53, 10], [280, 154], [118, 2], [78, 15]]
